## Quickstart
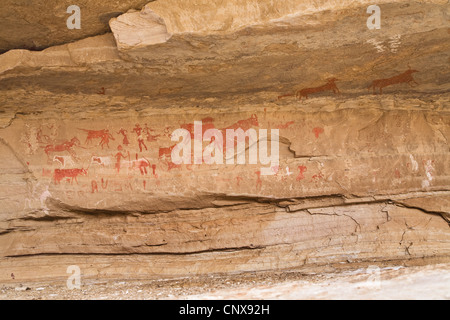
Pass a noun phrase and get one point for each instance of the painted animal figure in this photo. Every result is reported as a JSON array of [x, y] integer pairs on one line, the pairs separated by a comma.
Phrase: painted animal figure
[[329, 86], [286, 95], [64, 161], [65, 146], [207, 123], [142, 164], [285, 125], [165, 153], [245, 124], [101, 161], [104, 136], [71, 174], [405, 77]]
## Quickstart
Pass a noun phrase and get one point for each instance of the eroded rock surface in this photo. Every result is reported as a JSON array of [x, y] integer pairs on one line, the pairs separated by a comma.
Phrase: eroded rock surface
[[88, 177], [41, 24]]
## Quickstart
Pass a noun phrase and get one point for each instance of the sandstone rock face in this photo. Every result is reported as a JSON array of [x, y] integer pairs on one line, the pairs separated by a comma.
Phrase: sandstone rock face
[[87, 139], [42, 23], [139, 28]]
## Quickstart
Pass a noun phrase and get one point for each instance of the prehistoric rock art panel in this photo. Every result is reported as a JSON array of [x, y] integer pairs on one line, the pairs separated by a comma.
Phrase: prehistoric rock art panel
[[304, 170], [86, 129]]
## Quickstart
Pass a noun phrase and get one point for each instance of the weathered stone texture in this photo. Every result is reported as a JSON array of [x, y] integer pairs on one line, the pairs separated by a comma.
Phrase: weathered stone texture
[[85, 142]]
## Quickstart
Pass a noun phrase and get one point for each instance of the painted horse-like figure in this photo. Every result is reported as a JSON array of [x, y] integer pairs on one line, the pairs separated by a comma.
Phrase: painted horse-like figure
[[405, 77], [65, 146]]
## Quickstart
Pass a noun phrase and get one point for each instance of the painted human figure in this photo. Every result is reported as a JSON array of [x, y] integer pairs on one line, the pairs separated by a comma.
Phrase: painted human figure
[[119, 156], [105, 138], [124, 133], [139, 131], [148, 133]]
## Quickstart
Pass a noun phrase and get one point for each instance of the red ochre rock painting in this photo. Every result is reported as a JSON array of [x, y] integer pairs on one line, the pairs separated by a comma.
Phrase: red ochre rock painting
[[70, 174], [318, 131], [329, 86], [65, 146], [301, 175], [104, 135], [405, 77]]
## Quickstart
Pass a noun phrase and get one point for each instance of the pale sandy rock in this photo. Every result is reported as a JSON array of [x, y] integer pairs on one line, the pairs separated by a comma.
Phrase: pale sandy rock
[[158, 21], [42, 23], [367, 281], [92, 50], [206, 16], [370, 283], [138, 29]]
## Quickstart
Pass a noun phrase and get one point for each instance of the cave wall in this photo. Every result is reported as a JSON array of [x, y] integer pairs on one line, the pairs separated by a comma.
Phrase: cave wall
[[85, 139]]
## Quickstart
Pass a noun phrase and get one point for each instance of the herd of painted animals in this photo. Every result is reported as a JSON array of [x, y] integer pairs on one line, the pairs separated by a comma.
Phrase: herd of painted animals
[[405, 77]]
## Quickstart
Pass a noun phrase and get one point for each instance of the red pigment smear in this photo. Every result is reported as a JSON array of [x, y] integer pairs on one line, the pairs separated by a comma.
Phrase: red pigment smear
[[301, 175]]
